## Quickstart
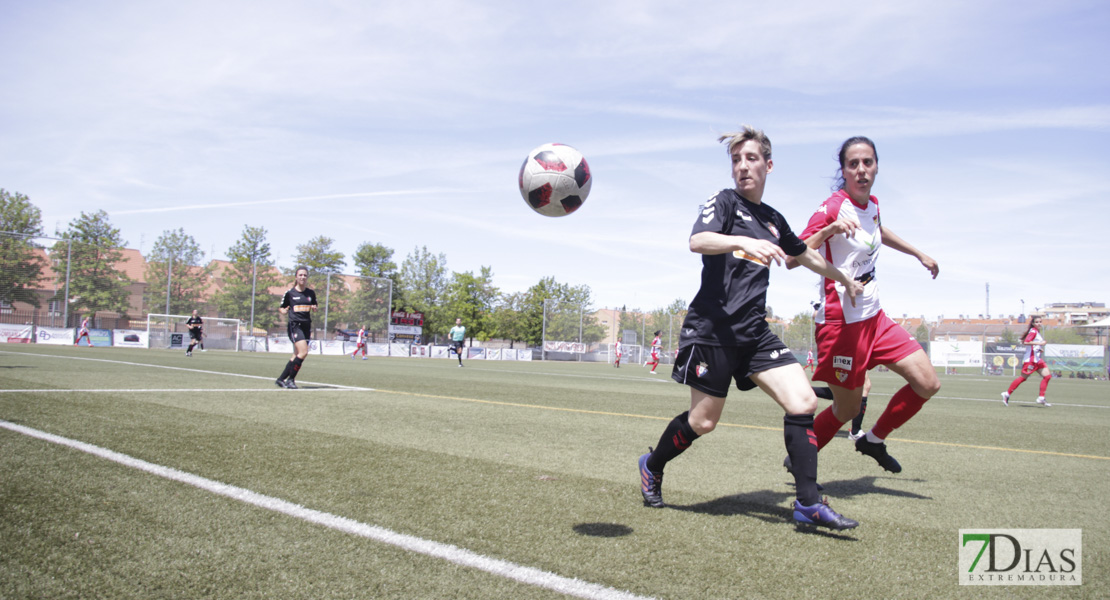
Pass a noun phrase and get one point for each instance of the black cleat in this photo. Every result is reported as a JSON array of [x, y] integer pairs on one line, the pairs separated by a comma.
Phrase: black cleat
[[290, 384], [789, 466], [820, 515], [651, 484], [878, 452], [279, 382]]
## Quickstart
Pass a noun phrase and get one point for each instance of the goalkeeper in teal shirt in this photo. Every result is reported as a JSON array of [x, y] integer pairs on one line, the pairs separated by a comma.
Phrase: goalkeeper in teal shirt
[[458, 335]]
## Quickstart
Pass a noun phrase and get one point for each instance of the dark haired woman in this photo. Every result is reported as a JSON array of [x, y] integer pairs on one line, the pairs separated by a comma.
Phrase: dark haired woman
[[851, 339], [1033, 363], [299, 303]]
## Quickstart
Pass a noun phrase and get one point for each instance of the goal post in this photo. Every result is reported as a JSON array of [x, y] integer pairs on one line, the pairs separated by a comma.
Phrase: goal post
[[170, 331]]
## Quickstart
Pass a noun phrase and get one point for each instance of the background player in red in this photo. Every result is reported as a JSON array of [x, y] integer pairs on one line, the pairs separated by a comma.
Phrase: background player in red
[[853, 339], [83, 332], [617, 350], [1033, 363], [361, 342], [656, 349]]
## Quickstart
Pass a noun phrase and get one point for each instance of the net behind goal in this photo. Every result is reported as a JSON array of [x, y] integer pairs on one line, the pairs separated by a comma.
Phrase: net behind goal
[[170, 331]]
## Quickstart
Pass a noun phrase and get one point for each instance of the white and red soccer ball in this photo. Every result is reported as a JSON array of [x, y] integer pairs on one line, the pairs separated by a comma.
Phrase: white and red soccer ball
[[555, 180]]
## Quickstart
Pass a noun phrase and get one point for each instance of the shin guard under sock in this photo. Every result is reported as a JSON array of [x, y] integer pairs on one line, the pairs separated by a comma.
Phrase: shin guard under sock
[[801, 447], [1044, 384], [676, 438], [902, 407], [825, 427]]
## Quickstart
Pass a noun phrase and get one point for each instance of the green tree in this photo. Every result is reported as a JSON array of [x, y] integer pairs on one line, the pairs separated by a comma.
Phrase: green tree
[[799, 332], [373, 299], [510, 319], [1062, 335], [321, 259], [473, 299], [1009, 337], [20, 265], [921, 334], [175, 270], [569, 308], [96, 280], [424, 288], [248, 279]]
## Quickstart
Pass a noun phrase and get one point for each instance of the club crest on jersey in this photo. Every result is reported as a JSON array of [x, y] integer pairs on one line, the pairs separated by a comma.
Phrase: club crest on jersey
[[842, 362], [701, 370], [774, 230]]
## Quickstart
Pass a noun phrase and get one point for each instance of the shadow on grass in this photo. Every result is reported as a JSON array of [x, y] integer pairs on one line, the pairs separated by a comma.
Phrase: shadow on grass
[[608, 530], [765, 505]]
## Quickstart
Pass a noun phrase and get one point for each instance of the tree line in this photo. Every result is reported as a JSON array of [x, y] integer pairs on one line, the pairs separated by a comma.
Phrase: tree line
[[178, 275]]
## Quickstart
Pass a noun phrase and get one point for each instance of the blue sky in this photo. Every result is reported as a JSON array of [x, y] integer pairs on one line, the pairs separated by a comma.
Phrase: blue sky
[[405, 124]]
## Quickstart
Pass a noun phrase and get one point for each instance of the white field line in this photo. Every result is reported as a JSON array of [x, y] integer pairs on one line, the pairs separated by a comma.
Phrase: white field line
[[192, 390], [448, 552], [135, 364]]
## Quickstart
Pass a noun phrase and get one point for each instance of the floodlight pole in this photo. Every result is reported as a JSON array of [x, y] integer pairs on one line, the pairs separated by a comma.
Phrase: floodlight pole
[[543, 332], [254, 284]]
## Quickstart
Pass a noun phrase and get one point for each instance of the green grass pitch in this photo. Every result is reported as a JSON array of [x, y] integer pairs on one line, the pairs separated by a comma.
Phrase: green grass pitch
[[531, 465]]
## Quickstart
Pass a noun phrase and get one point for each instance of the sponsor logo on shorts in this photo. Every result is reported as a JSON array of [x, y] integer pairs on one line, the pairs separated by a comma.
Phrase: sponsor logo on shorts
[[842, 362]]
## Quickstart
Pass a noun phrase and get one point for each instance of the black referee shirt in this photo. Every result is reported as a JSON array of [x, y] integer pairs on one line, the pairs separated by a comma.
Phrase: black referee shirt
[[730, 309]]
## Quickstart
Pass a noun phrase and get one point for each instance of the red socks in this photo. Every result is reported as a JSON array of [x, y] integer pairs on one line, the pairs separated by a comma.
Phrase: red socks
[[903, 406]]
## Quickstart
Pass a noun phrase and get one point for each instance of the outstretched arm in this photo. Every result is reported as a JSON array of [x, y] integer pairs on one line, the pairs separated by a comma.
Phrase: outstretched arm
[[712, 243], [892, 240], [813, 261]]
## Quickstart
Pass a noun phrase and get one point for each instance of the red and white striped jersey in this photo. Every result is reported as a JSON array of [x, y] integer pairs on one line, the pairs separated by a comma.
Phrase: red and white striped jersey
[[855, 256], [1033, 353]]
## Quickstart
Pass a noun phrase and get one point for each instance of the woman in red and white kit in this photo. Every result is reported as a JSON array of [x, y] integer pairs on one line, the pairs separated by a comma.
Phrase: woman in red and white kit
[[1033, 363], [848, 232], [656, 348], [84, 333], [361, 342]]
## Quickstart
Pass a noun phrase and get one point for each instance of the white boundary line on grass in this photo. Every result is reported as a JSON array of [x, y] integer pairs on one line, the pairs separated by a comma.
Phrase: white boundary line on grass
[[192, 390], [135, 364], [448, 552]]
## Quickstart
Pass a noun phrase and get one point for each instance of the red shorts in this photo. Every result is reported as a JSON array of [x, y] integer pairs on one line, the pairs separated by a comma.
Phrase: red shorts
[[1029, 368], [846, 351]]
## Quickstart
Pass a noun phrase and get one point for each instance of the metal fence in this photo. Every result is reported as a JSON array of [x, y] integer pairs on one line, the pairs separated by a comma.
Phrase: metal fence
[[52, 282]]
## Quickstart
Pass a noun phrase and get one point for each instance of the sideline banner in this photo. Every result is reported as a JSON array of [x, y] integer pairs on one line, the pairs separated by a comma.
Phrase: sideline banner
[[280, 344], [476, 353], [1074, 357], [377, 350], [16, 334], [100, 337], [493, 354], [956, 354], [334, 347], [420, 351], [58, 336], [130, 338]]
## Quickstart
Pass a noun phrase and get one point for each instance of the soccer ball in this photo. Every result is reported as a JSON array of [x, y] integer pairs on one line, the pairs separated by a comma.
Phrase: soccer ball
[[555, 180]]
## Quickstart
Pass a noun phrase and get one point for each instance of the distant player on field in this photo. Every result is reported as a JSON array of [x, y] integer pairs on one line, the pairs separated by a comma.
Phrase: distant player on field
[[83, 332], [196, 332], [361, 342], [618, 350], [656, 349], [1033, 363], [299, 303], [458, 339]]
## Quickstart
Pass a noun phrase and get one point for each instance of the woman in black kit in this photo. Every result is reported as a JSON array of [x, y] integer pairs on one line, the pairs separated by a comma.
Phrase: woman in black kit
[[299, 303]]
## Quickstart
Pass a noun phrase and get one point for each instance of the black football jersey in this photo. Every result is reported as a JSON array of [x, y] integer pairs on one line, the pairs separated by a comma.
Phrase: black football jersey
[[299, 304]]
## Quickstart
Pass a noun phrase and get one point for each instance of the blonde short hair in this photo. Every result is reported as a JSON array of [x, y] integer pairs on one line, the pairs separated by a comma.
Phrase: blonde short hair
[[748, 133]]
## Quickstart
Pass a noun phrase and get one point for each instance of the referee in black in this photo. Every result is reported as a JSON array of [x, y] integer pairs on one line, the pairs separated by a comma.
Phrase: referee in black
[[299, 303], [196, 332]]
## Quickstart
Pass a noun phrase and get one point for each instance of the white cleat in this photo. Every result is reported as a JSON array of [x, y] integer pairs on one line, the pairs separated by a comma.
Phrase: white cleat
[[1041, 401], [1006, 398]]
